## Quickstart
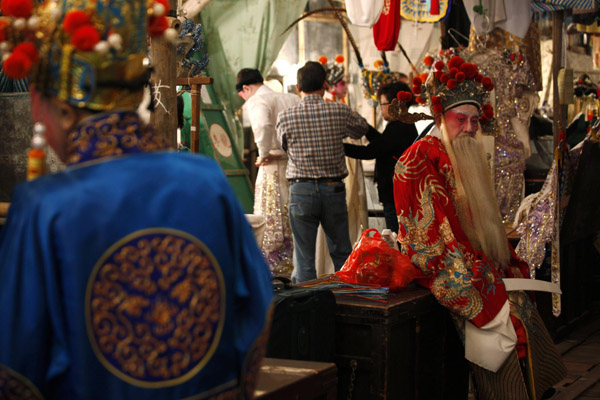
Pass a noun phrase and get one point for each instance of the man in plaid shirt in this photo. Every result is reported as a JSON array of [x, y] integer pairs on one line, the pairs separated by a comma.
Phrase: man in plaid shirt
[[312, 134]]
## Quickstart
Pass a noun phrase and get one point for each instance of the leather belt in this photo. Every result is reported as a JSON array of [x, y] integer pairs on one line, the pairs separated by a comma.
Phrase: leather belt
[[315, 180]]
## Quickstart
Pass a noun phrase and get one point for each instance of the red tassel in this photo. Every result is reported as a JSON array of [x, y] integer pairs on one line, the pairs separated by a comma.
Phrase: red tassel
[[17, 8], [17, 65], [3, 25], [29, 50], [157, 26], [75, 19], [434, 7], [85, 38]]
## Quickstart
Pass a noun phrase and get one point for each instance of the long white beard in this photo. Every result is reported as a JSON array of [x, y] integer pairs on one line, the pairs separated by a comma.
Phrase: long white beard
[[478, 213]]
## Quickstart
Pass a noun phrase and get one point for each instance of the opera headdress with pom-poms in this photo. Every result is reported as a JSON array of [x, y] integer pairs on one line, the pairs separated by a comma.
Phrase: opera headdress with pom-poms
[[89, 53], [450, 83], [335, 70]]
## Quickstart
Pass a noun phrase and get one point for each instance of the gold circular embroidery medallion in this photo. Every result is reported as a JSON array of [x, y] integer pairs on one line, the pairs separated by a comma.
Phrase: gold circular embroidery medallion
[[155, 307], [15, 386]]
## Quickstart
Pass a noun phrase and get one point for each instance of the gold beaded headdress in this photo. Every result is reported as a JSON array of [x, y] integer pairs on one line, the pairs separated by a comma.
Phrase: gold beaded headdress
[[89, 53]]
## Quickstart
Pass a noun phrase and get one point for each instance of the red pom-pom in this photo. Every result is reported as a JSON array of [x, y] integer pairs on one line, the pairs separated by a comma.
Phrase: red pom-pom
[[420, 100], [437, 108], [166, 4], [478, 78], [85, 38], [453, 71], [17, 8], [417, 81], [339, 59], [424, 77], [460, 76], [438, 74], [29, 50], [428, 60], [488, 111], [451, 84], [416, 89], [489, 87], [455, 62], [323, 60], [486, 81], [17, 65], [439, 65], [444, 78], [404, 96], [157, 26], [75, 19], [469, 69], [436, 100]]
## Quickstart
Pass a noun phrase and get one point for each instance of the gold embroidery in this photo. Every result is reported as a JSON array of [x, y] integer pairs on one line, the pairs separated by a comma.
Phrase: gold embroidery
[[155, 307], [15, 386]]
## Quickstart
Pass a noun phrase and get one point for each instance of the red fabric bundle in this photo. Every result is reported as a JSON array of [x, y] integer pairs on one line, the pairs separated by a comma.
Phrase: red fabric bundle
[[374, 262], [387, 28]]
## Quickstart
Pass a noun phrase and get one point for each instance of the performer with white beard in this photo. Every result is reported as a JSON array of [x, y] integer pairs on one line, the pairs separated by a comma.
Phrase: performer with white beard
[[451, 228]]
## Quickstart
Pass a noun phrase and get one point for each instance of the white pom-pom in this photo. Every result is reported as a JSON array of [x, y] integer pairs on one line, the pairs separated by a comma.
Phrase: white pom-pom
[[146, 62], [4, 46], [102, 47], [20, 24], [38, 142], [39, 128], [55, 13], [33, 22], [5, 57], [115, 40], [159, 9], [170, 34]]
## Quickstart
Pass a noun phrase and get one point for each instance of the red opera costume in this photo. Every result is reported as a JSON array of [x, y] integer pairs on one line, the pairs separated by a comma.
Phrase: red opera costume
[[460, 277]]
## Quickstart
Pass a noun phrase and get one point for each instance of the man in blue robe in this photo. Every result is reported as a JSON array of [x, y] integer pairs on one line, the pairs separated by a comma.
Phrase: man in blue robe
[[133, 273]]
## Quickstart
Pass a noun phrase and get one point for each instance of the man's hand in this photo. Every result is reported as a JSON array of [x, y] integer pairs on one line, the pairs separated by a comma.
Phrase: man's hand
[[266, 160]]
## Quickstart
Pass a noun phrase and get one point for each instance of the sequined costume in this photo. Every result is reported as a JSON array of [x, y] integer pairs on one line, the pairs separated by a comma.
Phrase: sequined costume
[[122, 278], [460, 277], [271, 190], [514, 101]]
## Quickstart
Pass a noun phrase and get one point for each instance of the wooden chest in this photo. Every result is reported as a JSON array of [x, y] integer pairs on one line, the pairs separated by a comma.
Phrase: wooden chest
[[406, 348], [280, 379]]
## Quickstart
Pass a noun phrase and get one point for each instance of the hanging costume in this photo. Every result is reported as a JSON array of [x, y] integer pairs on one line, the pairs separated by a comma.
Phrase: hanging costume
[[132, 273]]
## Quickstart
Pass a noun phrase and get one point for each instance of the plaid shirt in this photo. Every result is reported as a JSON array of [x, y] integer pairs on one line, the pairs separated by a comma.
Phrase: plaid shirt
[[312, 133]]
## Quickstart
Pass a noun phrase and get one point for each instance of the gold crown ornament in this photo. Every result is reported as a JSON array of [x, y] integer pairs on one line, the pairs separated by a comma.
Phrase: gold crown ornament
[[89, 53]]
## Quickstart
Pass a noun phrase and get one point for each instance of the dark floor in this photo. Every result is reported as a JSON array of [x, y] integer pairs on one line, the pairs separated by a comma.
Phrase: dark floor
[[581, 353]]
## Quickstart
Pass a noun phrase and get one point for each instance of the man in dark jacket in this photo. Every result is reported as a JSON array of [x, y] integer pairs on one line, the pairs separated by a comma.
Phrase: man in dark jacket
[[386, 149]]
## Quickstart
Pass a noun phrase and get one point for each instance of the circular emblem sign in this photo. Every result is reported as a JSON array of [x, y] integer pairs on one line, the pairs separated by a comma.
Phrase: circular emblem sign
[[155, 307], [220, 140]]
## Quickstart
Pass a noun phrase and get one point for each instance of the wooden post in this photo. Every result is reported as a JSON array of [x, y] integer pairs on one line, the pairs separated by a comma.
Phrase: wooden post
[[557, 46], [163, 84], [196, 84]]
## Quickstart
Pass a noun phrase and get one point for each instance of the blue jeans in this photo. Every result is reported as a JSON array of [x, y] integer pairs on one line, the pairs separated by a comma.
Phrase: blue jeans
[[312, 203]]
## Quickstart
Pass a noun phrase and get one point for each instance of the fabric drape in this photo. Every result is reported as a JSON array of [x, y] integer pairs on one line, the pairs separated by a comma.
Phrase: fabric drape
[[244, 34]]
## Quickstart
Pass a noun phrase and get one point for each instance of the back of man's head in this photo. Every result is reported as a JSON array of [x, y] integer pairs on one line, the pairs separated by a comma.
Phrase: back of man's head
[[311, 77], [247, 76]]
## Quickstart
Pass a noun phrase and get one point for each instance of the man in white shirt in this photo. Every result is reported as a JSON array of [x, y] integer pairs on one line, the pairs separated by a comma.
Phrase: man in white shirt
[[271, 190]]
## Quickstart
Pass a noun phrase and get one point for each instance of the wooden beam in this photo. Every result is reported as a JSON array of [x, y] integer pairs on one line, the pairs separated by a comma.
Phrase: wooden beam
[[557, 47], [163, 84], [196, 85]]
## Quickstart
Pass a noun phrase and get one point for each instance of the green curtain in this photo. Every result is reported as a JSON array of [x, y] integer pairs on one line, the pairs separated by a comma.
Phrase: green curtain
[[244, 34]]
